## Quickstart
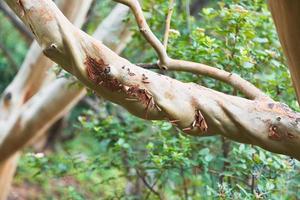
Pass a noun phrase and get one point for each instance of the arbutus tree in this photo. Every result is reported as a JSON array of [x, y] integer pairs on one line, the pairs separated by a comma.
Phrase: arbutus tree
[[200, 111]]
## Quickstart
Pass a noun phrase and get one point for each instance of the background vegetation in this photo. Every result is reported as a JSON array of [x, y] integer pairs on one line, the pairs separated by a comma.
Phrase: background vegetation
[[106, 153]]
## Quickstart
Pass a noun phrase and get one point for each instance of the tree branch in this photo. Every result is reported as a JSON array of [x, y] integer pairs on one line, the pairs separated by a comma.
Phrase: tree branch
[[9, 58], [285, 15], [197, 110], [165, 62], [151, 188], [16, 22], [168, 23]]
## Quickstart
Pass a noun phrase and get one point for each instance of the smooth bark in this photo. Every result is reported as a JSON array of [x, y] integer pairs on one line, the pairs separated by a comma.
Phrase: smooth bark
[[62, 94], [286, 15], [195, 109]]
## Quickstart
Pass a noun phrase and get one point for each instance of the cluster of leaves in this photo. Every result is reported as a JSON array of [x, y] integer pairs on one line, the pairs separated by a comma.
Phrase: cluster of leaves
[[239, 38], [115, 155]]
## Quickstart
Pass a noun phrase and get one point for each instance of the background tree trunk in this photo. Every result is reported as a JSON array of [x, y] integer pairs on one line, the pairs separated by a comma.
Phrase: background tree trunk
[[59, 92], [7, 170], [286, 15], [30, 79]]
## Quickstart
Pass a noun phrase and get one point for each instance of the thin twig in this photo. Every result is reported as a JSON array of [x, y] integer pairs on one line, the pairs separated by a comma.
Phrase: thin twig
[[188, 14], [185, 187], [9, 58], [148, 65], [168, 23], [17, 23], [93, 104], [165, 62], [147, 184], [153, 185]]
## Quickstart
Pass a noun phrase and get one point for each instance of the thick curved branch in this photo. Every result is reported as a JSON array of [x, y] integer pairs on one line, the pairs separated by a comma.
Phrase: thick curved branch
[[248, 89], [195, 109]]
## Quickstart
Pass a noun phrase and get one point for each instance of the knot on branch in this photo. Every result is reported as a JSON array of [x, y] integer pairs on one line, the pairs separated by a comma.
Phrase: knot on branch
[[7, 97], [276, 134], [50, 50]]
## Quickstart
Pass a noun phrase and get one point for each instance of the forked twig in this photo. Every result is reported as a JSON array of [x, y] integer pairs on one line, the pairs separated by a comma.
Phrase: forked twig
[[165, 62]]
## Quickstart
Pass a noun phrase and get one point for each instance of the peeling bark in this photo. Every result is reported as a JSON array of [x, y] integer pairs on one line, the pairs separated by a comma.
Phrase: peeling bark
[[242, 120]]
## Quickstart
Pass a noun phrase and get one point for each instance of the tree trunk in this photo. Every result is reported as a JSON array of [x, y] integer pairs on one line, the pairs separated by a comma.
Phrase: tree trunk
[[31, 77], [7, 170], [286, 15]]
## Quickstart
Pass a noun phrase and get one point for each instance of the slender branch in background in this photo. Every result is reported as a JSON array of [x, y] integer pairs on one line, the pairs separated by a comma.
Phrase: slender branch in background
[[143, 178], [226, 164], [9, 58], [197, 6], [184, 183], [148, 65], [153, 185], [89, 16], [217, 173], [165, 62], [252, 183], [168, 23], [188, 14], [16, 21], [253, 175], [92, 103]]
